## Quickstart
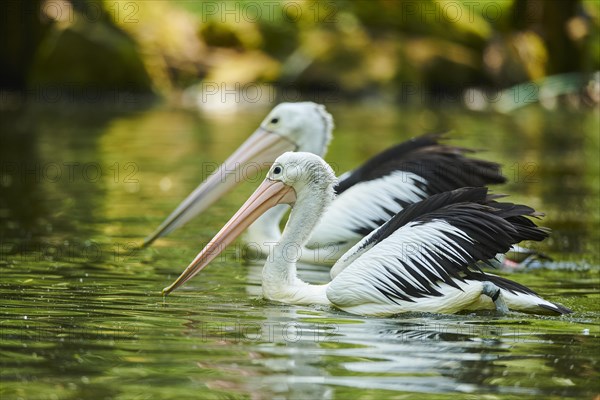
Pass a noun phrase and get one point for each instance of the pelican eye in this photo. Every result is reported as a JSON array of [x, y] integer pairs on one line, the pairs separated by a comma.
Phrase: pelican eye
[[275, 120], [277, 170]]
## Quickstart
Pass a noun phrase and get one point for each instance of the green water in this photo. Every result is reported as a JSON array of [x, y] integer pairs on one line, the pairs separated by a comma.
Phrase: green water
[[81, 310]]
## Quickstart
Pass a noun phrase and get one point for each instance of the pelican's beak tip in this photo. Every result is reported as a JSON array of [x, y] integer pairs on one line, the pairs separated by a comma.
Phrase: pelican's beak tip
[[147, 242]]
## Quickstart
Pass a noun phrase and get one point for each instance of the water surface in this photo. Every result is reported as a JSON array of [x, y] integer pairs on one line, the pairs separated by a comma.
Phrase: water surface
[[81, 311]]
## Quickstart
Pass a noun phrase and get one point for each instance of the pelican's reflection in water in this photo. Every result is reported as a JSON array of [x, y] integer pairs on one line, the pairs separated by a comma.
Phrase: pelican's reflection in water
[[316, 351]]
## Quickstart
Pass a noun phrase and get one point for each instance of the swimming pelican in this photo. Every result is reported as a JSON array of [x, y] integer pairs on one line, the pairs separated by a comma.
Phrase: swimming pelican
[[420, 260], [367, 196]]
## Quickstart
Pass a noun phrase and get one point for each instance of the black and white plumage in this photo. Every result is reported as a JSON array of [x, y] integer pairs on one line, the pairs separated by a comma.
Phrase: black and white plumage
[[367, 197], [444, 167], [384, 185], [421, 260], [397, 177], [437, 243]]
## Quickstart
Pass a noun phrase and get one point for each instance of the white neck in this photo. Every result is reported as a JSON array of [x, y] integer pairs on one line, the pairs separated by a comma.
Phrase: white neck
[[280, 281]]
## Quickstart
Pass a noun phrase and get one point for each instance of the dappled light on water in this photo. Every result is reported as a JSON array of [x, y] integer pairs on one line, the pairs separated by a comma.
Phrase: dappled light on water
[[82, 314]]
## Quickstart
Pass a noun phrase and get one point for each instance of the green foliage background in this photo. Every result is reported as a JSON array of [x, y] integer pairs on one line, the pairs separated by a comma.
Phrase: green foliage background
[[361, 48]]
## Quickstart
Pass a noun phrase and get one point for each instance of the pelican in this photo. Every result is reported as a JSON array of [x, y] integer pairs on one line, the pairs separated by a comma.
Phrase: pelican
[[367, 196], [288, 127], [420, 260]]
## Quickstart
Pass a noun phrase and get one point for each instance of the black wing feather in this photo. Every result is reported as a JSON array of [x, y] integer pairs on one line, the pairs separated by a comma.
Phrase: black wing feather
[[493, 226], [472, 210], [483, 226], [415, 210], [444, 167]]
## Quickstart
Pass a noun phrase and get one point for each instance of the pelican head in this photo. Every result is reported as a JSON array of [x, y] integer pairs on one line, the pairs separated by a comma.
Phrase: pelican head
[[302, 180], [304, 172], [307, 125], [302, 127]]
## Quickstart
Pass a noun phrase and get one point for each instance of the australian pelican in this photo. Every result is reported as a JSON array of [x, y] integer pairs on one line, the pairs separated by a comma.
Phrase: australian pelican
[[420, 260], [366, 197]]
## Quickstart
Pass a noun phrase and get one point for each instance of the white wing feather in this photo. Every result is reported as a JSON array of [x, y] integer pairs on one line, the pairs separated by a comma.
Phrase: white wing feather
[[365, 205]]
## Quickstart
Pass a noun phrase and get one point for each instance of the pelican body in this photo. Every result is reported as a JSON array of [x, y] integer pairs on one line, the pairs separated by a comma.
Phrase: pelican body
[[420, 260], [366, 197]]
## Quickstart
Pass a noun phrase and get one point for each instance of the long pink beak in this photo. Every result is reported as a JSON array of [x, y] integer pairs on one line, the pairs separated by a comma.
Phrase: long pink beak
[[262, 147], [268, 194]]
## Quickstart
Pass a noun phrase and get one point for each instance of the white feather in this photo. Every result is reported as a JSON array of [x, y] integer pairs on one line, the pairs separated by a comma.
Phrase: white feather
[[411, 245], [364, 204]]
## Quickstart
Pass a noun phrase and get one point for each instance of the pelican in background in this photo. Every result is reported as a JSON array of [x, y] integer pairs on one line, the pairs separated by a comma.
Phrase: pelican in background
[[418, 261], [366, 197], [288, 127]]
